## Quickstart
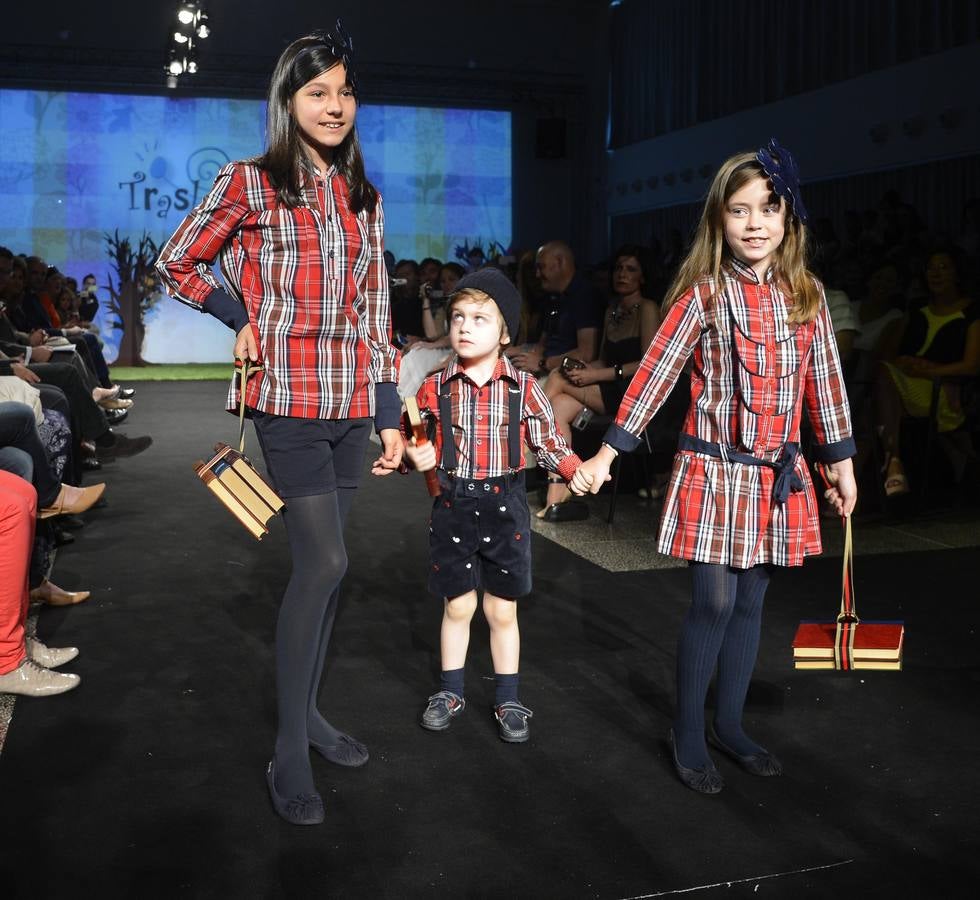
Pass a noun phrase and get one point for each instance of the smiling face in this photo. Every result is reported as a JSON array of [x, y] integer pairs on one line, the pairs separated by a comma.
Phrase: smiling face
[[324, 110], [754, 224], [476, 328]]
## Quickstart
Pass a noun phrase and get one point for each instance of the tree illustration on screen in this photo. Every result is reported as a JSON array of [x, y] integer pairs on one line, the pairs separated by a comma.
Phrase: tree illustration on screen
[[134, 293]]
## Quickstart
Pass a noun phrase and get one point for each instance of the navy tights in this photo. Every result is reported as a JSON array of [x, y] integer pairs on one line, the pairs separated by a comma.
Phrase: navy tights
[[720, 630], [315, 528]]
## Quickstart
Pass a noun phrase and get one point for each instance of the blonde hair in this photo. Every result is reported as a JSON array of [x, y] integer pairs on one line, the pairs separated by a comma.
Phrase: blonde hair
[[709, 250]]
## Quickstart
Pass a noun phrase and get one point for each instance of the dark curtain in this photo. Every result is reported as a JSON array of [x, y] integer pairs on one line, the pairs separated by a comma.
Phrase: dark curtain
[[938, 192], [675, 63]]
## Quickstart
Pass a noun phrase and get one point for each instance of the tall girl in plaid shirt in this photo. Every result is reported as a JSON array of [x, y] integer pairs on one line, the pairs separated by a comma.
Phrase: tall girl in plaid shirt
[[299, 235], [740, 498]]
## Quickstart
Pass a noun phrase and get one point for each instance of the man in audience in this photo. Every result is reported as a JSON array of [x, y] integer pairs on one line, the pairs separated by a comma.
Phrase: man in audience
[[572, 328]]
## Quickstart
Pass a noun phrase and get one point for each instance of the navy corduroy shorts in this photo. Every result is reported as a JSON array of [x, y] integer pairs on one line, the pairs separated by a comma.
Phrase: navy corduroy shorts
[[480, 537]]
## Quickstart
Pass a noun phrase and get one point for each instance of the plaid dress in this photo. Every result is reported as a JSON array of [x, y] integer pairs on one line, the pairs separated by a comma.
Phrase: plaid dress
[[753, 373], [312, 279]]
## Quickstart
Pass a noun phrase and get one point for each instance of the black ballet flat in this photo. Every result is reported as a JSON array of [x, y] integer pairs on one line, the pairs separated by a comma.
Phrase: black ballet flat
[[763, 764], [704, 780], [346, 752], [306, 809]]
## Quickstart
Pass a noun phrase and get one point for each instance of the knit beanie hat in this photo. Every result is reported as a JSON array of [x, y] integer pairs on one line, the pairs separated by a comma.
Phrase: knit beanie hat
[[501, 290]]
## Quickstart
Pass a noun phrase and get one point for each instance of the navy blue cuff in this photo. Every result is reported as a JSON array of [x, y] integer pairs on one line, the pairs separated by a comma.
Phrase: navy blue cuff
[[835, 452], [623, 440], [387, 406], [226, 309]]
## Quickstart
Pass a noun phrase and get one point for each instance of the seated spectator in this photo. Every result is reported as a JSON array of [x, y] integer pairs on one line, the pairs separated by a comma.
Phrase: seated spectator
[[572, 326], [89, 305], [598, 386], [940, 340], [429, 270], [425, 356], [406, 310], [18, 430], [25, 663]]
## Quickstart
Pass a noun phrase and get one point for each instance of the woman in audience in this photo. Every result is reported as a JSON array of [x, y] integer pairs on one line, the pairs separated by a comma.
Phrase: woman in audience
[[940, 341], [631, 321]]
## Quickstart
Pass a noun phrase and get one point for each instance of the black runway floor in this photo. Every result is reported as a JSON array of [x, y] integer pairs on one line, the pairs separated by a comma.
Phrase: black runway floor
[[147, 781]]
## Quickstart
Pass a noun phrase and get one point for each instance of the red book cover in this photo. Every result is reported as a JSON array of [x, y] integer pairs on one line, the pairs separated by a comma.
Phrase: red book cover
[[872, 640]]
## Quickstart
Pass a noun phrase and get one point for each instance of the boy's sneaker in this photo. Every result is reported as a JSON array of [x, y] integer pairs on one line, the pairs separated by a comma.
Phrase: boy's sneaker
[[512, 722], [441, 709]]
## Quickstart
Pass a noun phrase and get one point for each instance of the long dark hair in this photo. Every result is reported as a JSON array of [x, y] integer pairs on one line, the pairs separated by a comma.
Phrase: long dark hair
[[299, 64]]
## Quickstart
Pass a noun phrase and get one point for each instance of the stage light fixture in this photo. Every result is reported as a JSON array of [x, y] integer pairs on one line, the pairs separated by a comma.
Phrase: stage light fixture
[[192, 24]]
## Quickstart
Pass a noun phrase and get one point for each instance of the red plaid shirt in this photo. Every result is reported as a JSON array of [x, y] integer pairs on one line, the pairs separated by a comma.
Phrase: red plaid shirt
[[480, 421], [312, 280], [753, 374]]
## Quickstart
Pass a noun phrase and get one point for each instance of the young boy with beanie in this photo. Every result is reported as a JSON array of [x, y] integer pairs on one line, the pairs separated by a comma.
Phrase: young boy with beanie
[[483, 410]]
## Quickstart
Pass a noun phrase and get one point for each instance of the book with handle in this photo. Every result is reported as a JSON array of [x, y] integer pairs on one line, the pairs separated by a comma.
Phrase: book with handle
[[231, 502], [846, 642], [872, 640], [421, 439]]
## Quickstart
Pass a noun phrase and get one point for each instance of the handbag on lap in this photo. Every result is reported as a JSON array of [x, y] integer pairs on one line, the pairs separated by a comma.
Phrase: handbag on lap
[[232, 478], [846, 643]]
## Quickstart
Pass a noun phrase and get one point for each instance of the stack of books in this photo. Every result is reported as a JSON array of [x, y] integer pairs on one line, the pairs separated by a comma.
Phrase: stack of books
[[246, 494], [877, 645]]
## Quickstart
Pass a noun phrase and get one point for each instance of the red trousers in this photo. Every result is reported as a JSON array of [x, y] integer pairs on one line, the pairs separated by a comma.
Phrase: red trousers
[[18, 514]]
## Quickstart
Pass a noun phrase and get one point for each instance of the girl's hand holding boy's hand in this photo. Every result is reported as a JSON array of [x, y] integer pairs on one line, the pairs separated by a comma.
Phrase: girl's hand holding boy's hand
[[593, 474], [392, 447], [422, 458]]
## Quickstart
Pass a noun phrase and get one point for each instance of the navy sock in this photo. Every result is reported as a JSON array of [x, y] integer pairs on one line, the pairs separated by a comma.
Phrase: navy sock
[[452, 680], [506, 688]]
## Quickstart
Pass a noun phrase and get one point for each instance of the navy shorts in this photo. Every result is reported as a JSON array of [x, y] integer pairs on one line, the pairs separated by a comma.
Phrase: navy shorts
[[480, 537], [311, 456]]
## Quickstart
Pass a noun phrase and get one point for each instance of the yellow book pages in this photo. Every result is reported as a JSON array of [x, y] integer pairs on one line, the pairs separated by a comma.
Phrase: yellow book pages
[[813, 664], [257, 483], [236, 509], [893, 665], [245, 495]]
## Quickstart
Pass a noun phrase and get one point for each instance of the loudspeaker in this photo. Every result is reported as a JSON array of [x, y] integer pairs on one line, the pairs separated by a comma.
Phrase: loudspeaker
[[550, 138]]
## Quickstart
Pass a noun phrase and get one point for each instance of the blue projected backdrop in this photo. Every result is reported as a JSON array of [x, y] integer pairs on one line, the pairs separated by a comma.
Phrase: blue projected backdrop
[[74, 166]]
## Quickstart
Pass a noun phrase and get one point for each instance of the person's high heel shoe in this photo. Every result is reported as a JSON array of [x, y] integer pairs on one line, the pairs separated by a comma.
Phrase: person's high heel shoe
[[72, 500]]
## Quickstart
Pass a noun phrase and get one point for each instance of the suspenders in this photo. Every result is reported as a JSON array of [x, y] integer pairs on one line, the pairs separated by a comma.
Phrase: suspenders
[[515, 398]]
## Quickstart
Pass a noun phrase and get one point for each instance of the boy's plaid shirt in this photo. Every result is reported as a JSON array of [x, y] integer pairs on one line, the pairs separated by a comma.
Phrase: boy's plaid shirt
[[480, 421], [312, 279]]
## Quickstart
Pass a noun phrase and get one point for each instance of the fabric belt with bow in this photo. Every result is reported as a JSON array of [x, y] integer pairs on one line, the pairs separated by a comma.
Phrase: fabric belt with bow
[[785, 467]]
